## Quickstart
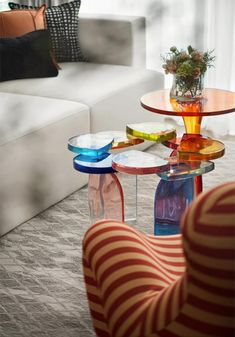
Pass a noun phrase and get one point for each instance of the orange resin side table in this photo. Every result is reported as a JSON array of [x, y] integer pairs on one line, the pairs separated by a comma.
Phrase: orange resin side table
[[172, 193]]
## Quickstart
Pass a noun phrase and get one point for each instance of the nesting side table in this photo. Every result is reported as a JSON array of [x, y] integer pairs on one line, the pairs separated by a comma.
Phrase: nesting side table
[[173, 194], [180, 173], [105, 192], [171, 199]]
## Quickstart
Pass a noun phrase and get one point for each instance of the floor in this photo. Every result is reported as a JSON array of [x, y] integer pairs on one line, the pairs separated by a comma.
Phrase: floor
[[41, 284]]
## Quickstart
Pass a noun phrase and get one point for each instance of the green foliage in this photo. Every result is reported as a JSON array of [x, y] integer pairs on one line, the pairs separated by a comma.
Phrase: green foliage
[[187, 63], [188, 66]]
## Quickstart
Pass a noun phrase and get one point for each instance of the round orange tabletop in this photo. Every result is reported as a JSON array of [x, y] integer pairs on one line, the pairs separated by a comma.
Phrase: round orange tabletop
[[214, 102]]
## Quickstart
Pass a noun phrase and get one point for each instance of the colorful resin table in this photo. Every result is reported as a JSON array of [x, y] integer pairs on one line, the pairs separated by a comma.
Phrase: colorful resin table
[[180, 173], [169, 169], [183, 181], [105, 192]]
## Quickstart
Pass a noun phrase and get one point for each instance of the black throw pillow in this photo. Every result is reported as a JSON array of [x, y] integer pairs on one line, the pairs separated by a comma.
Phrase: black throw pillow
[[62, 23], [26, 56]]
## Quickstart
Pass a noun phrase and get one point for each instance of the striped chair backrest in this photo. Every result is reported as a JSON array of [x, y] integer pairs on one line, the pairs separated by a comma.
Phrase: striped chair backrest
[[138, 286], [208, 229]]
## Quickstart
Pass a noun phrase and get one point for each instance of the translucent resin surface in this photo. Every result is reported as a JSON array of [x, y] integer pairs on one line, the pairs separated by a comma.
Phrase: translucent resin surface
[[90, 144], [172, 143], [100, 167], [196, 147], [158, 132], [92, 159], [120, 139], [214, 102], [137, 162], [184, 170]]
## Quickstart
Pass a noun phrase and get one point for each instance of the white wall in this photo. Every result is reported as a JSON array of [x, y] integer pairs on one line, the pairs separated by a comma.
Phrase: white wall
[[204, 24], [207, 24]]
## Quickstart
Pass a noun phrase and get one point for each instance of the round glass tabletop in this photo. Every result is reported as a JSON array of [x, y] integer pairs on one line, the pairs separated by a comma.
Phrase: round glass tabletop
[[214, 102], [137, 162], [200, 148], [90, 144], [183, 170]]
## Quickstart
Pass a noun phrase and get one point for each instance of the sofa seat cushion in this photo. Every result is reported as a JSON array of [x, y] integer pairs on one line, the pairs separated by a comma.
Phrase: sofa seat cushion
[[111, 91], [36, 166], [21, 115], [83, 82]]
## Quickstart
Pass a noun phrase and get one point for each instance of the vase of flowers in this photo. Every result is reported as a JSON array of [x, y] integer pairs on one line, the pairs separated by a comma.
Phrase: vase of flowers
[[188, 68]]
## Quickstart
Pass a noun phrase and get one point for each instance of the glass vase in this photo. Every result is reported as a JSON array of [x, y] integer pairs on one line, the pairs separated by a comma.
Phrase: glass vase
[[187, 89]]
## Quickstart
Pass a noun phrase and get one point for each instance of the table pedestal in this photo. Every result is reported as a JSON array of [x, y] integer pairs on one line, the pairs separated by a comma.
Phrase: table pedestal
[[105, 197], [171, 200]]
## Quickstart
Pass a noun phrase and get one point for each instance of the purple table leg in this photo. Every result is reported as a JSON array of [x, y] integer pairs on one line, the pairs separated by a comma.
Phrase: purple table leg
[[171, 200]]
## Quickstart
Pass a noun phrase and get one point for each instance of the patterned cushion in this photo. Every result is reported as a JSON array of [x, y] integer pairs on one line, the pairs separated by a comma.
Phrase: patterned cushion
[[62, 23]]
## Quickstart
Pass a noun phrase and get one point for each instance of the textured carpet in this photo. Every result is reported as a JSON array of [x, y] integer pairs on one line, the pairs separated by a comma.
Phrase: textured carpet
[[41, 283]]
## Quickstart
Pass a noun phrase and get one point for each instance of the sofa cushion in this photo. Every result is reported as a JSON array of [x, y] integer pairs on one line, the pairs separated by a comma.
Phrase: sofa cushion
[[21, 115], [26, 56], [62, 23], [19, 22], [110, 91], [36, 166]]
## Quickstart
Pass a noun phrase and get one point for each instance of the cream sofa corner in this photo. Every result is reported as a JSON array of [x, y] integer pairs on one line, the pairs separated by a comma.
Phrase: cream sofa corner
[[38, 116]]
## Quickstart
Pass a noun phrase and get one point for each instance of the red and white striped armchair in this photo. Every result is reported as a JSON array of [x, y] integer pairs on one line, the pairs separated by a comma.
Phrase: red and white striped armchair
[[169, 286]]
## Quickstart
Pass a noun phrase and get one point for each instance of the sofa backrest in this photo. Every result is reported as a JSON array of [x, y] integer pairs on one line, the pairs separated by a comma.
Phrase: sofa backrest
[[113, 39]]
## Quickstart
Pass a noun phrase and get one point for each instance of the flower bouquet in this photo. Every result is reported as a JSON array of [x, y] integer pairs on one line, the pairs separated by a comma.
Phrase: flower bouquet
[[188, 67]]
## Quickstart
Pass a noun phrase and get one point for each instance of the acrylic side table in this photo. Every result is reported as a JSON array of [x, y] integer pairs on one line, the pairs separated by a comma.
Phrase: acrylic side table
[[191, 149], [170, 169], [105, 192]]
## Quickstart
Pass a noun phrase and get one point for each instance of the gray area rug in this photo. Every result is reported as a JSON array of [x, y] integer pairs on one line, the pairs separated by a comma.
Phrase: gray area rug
[[42, 293]]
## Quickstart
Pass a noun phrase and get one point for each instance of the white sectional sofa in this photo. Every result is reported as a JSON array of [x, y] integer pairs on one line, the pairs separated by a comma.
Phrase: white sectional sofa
[[37, 116]]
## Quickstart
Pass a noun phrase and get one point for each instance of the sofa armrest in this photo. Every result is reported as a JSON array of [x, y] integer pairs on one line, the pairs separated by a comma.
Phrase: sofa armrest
[[113, 39]]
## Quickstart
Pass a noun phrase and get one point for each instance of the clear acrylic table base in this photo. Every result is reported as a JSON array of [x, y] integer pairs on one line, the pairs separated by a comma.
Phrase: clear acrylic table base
[[130, 189], [105, 197], [111, 196]]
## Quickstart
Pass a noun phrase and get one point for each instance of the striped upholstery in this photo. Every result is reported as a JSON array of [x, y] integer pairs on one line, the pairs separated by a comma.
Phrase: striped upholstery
[[144, 286]]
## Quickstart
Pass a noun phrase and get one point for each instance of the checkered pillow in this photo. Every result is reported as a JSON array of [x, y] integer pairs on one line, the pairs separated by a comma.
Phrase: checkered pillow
[[62, 23]]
